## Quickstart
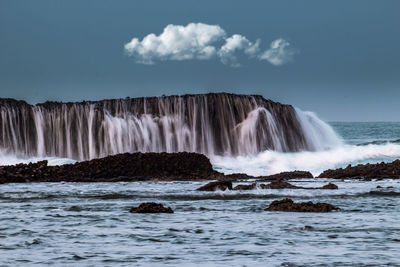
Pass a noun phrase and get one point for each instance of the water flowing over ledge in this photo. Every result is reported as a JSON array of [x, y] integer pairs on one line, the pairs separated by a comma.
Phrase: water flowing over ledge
[[211, 124]]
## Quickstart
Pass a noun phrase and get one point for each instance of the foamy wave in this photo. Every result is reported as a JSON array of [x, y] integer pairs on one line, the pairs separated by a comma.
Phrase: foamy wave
[[271, 162], [7, 159]]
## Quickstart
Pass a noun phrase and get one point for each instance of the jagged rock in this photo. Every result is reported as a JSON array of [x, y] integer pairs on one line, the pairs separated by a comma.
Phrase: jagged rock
[[330, 186], [366, 171], [245, 186], [288, 205], [151, 207], [214, 186]]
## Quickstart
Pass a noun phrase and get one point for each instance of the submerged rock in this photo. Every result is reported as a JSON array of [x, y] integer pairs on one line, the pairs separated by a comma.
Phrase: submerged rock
[[290, 206], [214, 186], [151, 207]]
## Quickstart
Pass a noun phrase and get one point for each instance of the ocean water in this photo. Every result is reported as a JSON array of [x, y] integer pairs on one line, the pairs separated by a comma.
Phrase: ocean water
[[88, 224], [363, 142]]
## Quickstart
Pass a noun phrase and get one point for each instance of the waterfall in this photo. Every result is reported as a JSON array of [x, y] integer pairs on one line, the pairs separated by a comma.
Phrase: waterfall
[[212, 124]]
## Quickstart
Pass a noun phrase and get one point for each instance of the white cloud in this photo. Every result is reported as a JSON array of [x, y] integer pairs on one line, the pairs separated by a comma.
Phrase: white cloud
[[176, 42], [235, 43], [279, 53], [202, 41]]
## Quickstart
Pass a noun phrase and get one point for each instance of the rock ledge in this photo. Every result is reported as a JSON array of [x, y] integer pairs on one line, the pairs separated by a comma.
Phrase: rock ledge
[[288, 205]]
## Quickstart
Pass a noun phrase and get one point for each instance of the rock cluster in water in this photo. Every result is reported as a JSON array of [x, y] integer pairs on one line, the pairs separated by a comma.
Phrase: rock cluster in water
[[366, 171], [278, 184], [128, 167], [288, 205], [151, 207], [121, 167]]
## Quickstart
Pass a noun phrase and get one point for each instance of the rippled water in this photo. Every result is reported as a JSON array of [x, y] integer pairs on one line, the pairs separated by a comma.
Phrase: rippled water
[[88, 224]]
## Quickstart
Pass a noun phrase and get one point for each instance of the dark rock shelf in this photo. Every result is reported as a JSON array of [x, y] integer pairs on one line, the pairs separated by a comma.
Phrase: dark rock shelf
[[366, 171], [121, 167], [290, 206]]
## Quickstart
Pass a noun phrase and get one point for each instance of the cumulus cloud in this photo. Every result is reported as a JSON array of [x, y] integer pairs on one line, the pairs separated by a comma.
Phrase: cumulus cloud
[[176, 42], [235, 43], [279, 53], [202, 41]]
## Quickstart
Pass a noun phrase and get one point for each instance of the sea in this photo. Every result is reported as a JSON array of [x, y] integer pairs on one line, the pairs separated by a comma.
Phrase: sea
[[89, 224]]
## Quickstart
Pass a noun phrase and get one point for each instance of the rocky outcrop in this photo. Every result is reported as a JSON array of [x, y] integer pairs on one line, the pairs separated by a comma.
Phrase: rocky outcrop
[[218, 185], [151, 207], [204, 123], [121, 167], [290, 206], [366, 171]]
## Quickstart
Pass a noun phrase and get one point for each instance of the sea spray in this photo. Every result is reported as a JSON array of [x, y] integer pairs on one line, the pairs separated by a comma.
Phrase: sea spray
[[271, 162], [212, 124]]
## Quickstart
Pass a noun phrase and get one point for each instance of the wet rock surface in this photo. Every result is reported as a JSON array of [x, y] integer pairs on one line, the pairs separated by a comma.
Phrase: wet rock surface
[[151, 207], [290, 206], [218, 185], [330, 186], [279, 184], [245, 186], [121, 167], [286, 175], [366, 171]]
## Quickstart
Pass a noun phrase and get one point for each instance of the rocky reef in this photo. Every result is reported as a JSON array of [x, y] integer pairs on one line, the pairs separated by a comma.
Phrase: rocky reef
[[277, 184], [288, 205], [121, 167], [366, 171], [128, 167]]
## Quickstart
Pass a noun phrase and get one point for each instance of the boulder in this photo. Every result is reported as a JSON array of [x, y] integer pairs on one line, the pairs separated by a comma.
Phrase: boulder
[[217, 185], [330, 186], [151, 207], [290, 206]]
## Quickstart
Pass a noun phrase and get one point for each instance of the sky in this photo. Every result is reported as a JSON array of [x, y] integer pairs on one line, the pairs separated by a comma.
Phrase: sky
[[340, 59]]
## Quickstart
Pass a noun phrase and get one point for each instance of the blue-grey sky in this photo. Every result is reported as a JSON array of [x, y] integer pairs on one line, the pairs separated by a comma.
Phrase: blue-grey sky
[[346, 65]]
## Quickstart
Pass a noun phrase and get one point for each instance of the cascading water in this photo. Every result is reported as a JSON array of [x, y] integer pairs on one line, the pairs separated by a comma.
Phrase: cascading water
[[212, 124]]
